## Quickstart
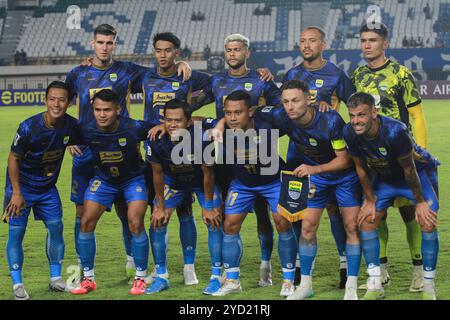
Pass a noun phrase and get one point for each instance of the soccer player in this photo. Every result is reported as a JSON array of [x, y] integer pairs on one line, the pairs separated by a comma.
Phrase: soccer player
[[34, 164], [174, 181], [113, 140], [262, 92], [321, 154], [328, 85], [253, 177], [396, 94], [400, 168], [159, 85], [84, 81]]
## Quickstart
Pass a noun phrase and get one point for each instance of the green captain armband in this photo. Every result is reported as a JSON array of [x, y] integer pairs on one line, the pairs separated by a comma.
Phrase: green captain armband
[[338, 144]]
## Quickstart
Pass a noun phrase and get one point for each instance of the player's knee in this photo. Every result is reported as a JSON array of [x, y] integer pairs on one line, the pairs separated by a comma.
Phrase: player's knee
[[135, 226], [282, 224], [367, 225], [427, 228], [79, 210], [231, 227], [87, 224], [309, 229]]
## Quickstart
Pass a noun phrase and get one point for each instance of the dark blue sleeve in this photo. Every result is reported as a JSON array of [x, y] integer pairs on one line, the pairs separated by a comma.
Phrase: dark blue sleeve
[[345, 87], [76, 137], [272, 94], [71, 81], [21, 142], [152, 152], [142, 128], [400, 141], [275, 116], [286, 77], [208, 89], [136, 73], [351, 142], [336, 126], [201, 81], [209, 123]]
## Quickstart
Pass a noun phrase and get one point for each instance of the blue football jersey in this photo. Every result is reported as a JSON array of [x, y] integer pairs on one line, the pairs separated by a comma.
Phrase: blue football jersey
[[116, 153], [315, 143], [188, 172], [42, 150], [381, 153], [261, 92], [157, 90], [85, 81], [329, 83]]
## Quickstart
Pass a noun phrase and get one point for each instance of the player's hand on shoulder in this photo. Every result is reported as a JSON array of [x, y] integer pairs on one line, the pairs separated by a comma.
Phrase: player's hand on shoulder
[[75, 151], [87, 62], [157, 131], [324, 106], [265, 74], [183, 68]]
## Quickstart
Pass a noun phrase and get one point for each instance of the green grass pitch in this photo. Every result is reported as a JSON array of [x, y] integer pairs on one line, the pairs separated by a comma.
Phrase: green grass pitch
[[110, 260]]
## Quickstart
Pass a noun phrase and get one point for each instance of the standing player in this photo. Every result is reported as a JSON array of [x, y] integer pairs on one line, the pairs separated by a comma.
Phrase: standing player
[[252, 180], [321, 152], [396, 94], [159, 85], [34, 164], [174, 182], [84, 82], [400, 169], [262, 92], [328, 85], [113, 140]]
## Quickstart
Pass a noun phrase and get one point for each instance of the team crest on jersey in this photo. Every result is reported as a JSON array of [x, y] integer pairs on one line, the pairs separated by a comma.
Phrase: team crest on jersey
[[313, 142], [319, 83], [66, 139], [175, 85], [113, 77], [383, 151], [257, 139], [267, 109], [248, 86], [138, 189], [122, 142], [295, 189]]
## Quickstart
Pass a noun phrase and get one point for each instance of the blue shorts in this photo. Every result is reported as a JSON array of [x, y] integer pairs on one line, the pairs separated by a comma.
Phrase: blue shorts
[[82, 173], [105, 193], [346, 189], [386, 192], [174, 198], [241, 199], [46, 205]]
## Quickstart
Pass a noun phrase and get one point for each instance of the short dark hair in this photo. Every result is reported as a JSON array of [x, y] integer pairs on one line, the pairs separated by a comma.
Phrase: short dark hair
[[106, 30], [239, 95], [106, 95], [179, 104], [167, 36], [296, 84], [59, 85], [359, 98], [381, 29], [322, 33]]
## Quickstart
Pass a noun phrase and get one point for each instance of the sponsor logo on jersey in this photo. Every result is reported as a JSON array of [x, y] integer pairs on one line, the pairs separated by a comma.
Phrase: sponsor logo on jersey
[[175, 85], [248, 86], [383, 151], [313, 142], [122, 142], [319, 83], [113, 77], [111, 156], [52, 156]]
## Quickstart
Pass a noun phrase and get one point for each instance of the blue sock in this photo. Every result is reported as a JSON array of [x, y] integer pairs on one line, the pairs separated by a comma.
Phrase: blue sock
[[353, 259], [14, 252], [140, 249], [55, 247], [370, 245], [215, 238], [308, 252], [266, 243], [188, 238], [231, 254], [87, 247], [287, 251], [339, 234], [158, 239], [76, 234], [430, 249], [126, 236]]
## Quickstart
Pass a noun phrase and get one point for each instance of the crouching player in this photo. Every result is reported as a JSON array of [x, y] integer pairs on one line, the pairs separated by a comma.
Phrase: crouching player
[[256, 174], [34, 164], [400, 168], [177, 174], [114, 142]]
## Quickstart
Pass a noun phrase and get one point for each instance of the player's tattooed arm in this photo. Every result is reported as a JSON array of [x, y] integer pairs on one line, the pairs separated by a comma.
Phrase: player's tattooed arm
[[159, 216], [368, 209], [158, 130], [200, 100], [17, 202], [424, 215], [217, 132], [211, 216], [265, 74], [183, 68]]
